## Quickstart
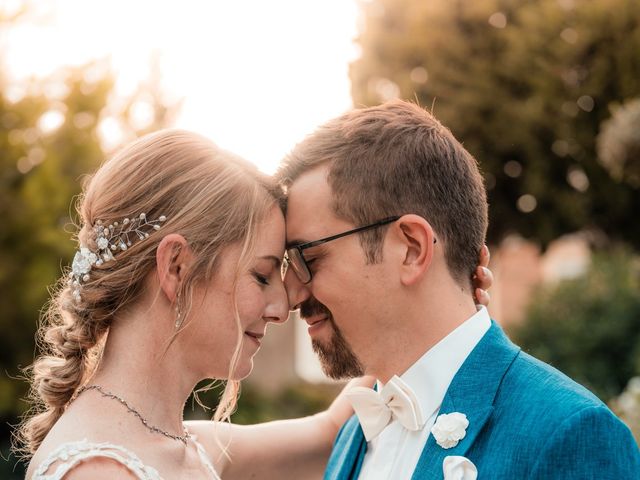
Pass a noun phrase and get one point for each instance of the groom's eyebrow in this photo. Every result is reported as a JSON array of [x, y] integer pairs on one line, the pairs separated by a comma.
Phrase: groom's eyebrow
[[295, 242]]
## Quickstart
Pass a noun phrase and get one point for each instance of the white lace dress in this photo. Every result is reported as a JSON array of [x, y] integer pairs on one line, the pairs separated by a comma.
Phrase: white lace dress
[[71, 454]]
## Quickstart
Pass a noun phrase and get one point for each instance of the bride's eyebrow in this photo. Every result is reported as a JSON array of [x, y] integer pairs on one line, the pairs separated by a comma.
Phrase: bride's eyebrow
[[276, 261]]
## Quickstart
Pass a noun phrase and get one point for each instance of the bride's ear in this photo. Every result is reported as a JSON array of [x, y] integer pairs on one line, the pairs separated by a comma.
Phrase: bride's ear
[[173, 257]]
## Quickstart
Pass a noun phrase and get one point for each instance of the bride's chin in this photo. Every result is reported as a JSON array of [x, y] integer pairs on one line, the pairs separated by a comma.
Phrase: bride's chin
[[243, 370]]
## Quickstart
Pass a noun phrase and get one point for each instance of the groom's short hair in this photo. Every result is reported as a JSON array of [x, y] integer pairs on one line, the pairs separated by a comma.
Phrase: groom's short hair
[[394, 159]]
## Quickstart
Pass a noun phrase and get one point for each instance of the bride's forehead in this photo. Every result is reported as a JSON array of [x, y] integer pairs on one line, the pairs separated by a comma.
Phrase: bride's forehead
[[270, 234]]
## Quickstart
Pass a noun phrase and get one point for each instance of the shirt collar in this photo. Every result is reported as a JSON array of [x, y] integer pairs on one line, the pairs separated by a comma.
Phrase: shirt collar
[[432, 374]]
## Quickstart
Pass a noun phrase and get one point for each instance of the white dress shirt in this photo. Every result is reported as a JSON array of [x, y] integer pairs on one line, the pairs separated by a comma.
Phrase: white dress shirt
[[394, 454]]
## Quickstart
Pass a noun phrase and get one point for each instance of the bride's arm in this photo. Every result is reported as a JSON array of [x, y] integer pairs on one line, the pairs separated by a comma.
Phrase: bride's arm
[[296, 448]]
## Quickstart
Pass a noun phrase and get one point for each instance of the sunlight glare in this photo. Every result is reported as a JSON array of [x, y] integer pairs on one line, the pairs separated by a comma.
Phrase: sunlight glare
[[254, 76]]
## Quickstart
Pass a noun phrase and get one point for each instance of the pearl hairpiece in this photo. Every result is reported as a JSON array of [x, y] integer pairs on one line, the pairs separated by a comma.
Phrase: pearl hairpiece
[[109, 240]]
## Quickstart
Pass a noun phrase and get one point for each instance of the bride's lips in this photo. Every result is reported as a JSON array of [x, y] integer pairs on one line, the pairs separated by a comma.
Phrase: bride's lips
[[255, 337], [316, 323]]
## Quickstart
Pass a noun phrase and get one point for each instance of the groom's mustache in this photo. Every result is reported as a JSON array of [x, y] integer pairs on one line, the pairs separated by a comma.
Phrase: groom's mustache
[[312, 307]]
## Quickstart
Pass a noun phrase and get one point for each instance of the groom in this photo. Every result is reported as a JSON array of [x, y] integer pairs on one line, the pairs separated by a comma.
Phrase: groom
[[386, 213]]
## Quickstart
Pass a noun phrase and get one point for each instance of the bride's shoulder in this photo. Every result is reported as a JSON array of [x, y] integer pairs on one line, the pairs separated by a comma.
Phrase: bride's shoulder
[[84, 459]]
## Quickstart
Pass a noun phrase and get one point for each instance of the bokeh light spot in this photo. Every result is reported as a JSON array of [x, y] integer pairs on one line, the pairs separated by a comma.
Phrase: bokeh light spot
[[498, 20], [527, 203], [513, 169]]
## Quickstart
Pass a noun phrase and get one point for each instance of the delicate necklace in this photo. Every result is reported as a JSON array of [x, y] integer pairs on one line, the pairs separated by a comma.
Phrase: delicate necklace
[[107, 394]]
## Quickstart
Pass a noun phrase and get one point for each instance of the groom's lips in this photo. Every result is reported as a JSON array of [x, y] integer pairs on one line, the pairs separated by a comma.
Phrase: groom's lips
[[316, 323]]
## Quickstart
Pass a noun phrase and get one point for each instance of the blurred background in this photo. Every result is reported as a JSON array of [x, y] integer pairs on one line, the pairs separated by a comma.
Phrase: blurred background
[[544, 93]]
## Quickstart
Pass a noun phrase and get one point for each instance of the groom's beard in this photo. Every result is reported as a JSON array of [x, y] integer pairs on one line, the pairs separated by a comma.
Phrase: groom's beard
[[336, 357]]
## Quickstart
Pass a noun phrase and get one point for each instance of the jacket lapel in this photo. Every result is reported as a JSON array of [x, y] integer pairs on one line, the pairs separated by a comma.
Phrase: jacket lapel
[[471, 392], [348, 452]]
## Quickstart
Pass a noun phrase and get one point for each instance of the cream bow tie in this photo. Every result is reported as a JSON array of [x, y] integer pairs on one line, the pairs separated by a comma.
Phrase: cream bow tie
[[395, 401]]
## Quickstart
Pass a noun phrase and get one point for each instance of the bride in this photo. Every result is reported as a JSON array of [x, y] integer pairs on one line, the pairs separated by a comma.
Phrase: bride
[[176, 278]]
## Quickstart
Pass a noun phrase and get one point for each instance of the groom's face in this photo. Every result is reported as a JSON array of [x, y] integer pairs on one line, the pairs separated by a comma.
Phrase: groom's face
[[336, 303]]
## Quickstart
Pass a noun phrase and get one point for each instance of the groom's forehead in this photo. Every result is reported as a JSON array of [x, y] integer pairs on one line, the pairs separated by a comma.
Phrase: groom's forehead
[[309, 212], [309, 194]]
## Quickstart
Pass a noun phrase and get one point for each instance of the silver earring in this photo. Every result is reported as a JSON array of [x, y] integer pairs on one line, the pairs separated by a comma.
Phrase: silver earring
[[179, 319]]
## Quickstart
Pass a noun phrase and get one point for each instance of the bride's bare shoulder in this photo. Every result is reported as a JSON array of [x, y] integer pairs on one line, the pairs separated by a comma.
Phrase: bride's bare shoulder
[[99, 468], [70, 435], [62, 433]]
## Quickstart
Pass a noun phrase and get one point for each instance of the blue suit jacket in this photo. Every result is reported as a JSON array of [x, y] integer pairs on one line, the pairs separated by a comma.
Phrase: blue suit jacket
[[526, 421]]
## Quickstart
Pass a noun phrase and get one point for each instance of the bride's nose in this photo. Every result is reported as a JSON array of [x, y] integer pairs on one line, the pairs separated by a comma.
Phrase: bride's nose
[[297, 292], [277, 310]]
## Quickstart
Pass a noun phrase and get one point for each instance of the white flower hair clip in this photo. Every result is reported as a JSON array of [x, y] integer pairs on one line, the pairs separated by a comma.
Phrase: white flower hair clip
[[110, 239]]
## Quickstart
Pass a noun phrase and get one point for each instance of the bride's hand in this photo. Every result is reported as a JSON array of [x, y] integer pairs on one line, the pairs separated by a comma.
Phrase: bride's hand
[[483, 278], [341, 409]]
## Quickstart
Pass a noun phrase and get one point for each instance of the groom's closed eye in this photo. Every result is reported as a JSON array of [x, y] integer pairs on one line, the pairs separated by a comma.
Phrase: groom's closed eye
[[314, 258]]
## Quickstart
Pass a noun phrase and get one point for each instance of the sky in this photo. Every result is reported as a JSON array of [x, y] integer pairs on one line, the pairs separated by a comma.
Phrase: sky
[[254, 76]]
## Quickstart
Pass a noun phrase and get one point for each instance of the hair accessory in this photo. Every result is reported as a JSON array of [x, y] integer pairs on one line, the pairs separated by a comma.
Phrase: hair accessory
[[109, 240]]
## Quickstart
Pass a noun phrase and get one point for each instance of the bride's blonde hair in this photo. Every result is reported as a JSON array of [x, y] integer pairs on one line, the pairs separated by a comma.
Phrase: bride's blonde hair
[[211, 197]]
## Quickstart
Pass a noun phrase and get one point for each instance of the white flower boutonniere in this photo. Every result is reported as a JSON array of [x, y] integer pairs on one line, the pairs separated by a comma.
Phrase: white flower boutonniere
[[459, 468], [449, 429]]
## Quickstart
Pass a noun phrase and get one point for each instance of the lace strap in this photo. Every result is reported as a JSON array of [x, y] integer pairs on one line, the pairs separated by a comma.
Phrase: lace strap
[[204, 458], [73, 453]]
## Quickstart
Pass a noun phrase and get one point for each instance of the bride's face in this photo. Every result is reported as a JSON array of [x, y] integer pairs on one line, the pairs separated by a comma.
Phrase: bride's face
[[261, 298]]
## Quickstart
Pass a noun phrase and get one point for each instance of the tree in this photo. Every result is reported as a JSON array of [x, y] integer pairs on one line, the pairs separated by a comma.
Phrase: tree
[[619, 143], [589, 327], [525, 85]]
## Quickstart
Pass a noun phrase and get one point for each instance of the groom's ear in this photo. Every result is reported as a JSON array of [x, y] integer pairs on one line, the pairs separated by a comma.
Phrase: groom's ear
[[173, 257], [417, 241]]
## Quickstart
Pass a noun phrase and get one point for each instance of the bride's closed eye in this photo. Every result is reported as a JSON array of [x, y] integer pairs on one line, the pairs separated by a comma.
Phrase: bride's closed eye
[[260, 278]]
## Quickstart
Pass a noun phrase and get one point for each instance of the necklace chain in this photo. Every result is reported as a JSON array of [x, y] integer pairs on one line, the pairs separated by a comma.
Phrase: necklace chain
[[113, 396]]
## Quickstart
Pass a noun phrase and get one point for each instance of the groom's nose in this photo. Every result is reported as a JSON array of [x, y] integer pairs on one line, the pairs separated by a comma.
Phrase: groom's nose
[[297, 292]]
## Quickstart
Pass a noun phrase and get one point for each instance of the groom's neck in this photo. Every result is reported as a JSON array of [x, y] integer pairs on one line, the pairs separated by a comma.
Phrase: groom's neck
[[420, 323]]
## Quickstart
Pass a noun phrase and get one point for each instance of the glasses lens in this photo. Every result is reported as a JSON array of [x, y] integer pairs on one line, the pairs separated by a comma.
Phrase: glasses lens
[[284, 266], [299, 265]]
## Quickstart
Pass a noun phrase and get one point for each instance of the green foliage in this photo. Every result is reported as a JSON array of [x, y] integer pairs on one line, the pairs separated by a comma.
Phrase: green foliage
[[39, 175], [589, 327], [256, 406], [295, 401], [525, 85], [627, 407], [619, 143]]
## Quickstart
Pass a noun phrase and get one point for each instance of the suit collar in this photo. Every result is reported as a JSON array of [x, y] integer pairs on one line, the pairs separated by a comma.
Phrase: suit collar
[[348, 452], [472, 392], [431, 376]]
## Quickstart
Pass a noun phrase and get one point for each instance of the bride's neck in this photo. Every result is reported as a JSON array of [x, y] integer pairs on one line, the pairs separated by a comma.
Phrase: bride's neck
[[138, 366]]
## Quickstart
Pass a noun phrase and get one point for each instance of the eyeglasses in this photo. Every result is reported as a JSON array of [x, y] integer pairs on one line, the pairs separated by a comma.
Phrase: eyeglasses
[[295, 258]]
